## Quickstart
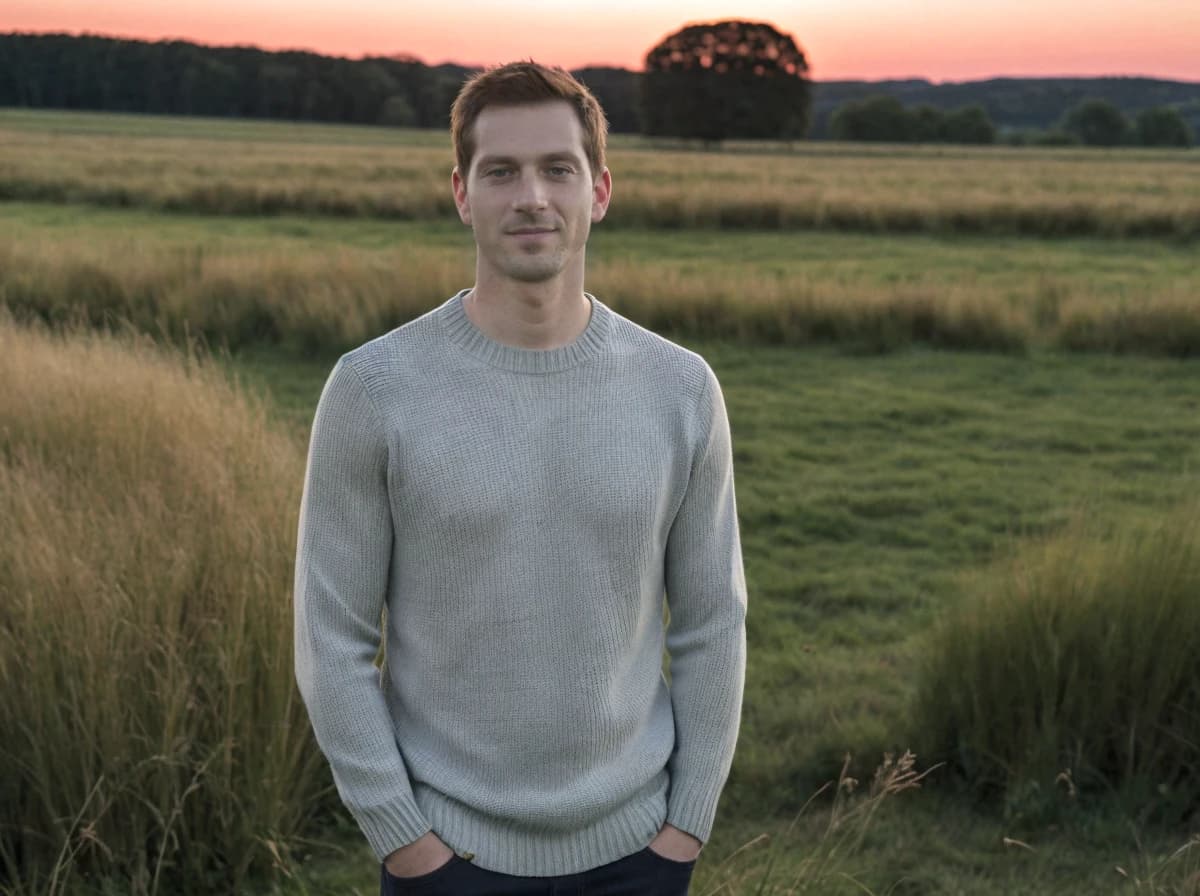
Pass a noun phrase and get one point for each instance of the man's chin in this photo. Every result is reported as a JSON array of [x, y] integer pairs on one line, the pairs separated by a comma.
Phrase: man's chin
[[534, 273]]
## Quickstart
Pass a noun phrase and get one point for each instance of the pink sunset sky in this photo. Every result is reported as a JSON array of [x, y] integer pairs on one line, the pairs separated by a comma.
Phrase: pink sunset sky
[[945, 40]]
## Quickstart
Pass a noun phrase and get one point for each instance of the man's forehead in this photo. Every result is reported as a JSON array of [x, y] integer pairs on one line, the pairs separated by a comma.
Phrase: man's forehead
[[552, 122]]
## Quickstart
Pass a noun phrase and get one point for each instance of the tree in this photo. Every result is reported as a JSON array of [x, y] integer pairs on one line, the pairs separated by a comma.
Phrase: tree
[[397, 112], [970, 124], [208, 86], [926, 124], [1162, 126], [879, 118], [726, 79], [885, 119], [1097, 123]]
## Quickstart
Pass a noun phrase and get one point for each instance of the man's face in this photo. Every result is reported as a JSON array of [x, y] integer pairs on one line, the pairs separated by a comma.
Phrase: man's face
[[529, 195]]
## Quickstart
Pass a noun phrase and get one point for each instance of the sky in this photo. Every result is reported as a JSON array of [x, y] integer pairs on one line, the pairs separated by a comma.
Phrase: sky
[[943, 40]]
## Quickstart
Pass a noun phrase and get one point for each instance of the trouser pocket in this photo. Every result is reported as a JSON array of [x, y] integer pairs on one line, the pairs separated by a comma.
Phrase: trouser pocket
[[666, 877], [439, 880]]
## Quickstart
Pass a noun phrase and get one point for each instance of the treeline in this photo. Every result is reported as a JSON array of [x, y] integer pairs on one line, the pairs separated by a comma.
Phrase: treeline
[[1015, 105], [1093, 122], [61, 71], [885, 119], [1096, 122], [181, 78]]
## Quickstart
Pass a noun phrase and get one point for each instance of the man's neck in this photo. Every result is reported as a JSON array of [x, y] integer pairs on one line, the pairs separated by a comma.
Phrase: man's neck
[[529, 315]]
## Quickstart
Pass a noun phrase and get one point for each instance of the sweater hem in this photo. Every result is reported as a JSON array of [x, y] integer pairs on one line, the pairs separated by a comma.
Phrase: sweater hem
[[526, 849]]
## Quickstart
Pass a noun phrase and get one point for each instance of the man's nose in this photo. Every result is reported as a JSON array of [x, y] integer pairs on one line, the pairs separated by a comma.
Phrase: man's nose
[[531, 194]]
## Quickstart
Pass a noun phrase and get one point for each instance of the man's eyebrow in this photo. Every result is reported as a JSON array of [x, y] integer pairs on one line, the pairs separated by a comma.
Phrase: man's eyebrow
[[562, 154], [558, 155]]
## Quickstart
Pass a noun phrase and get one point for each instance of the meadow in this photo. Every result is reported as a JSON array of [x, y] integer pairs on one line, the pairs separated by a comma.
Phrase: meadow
[[922, 415], [319, 284], [253, 169]]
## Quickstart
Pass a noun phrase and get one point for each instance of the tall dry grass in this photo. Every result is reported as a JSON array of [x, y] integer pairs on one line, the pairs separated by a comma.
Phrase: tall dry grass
[[328, 300], [1042, 192], [1073, 670], [332, 298], [1176, 875], [819, 855], [152, 730]]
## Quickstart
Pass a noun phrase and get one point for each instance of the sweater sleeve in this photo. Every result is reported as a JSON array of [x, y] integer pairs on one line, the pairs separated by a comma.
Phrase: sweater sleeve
[[343, 557], [706, 595]]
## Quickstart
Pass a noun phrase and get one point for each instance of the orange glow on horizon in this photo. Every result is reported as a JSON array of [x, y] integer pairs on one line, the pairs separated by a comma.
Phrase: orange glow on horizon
[[871, 39]]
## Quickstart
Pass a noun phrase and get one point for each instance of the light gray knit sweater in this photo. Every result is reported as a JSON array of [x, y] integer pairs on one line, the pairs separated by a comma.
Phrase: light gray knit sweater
[[520, 514]]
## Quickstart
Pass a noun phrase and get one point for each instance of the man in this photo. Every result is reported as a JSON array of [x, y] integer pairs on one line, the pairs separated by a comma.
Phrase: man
[[518, 477]]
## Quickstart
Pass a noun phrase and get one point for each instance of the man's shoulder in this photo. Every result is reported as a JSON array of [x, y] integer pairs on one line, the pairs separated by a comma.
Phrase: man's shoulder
[[656, 354], [408, 345]]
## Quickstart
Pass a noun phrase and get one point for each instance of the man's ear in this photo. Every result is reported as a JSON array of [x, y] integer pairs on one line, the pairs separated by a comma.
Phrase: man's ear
[[459, 185], [601, 195]]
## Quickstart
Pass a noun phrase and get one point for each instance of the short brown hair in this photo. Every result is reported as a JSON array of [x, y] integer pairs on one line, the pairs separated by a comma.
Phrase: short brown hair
[[519, 83]]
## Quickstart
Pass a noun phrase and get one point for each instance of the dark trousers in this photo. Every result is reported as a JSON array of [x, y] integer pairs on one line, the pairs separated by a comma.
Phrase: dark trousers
[[644, 873]]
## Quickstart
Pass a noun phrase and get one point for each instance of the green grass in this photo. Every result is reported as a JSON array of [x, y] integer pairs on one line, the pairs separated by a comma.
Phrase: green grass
[[872, 488], [196, 127], [1009, 266], [868, 488], [119, 124], [924, 845], [1072, 667]]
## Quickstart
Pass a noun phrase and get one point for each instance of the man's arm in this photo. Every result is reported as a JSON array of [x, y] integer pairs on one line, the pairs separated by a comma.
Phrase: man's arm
[[343, 555], [706, 594]]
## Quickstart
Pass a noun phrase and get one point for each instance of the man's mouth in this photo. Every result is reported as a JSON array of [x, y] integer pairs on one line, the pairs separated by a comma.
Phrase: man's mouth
[[526, 231]]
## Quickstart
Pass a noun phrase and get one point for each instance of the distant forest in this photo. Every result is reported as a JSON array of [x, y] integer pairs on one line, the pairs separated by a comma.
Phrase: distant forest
[[181, 78]]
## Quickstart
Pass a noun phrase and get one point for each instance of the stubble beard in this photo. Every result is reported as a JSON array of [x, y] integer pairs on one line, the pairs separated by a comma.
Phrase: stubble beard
[[536, 265], [535, 268]]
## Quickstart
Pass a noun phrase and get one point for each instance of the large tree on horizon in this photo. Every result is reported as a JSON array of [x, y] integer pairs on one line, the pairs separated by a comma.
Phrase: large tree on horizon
[[718, 80]]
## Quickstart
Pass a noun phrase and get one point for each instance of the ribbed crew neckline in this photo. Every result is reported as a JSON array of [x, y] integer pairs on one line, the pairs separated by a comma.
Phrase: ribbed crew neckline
[[587, 345]]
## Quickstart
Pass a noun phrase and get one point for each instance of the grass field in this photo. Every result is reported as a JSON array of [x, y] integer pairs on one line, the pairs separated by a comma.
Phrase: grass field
[[176, 164], [868, 490], [880, 467], [332, 284]]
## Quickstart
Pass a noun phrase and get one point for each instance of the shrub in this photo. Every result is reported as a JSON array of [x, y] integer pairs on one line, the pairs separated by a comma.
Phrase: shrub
[[1055, 137], [886, 118], [927, 124], [1097, 123], [1077, 664], [152, 729], [970, 124], [1162, 126], [879, 118]]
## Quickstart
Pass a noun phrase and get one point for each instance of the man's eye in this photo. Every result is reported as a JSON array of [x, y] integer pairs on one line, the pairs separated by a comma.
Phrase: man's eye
[[560, 170], [496, 172]]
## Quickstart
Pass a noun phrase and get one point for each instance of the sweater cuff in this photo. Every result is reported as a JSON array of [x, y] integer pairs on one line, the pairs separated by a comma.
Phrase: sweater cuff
[[692, 809], [391, 826]]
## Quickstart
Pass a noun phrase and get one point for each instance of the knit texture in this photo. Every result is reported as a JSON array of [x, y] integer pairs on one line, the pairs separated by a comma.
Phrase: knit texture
[[520, 515]]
